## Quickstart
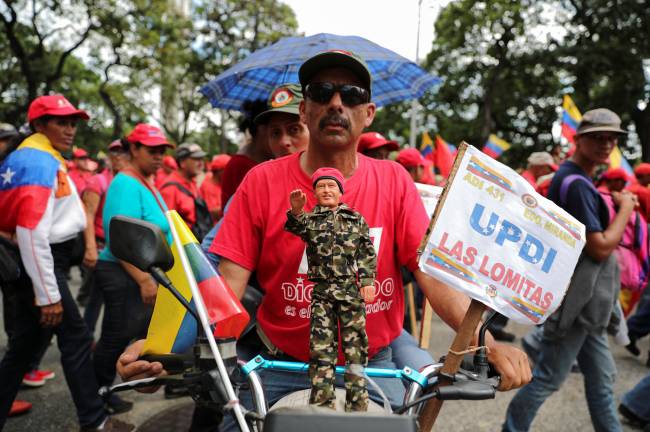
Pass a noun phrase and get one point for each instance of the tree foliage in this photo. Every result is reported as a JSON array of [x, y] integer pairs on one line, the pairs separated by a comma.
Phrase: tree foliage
[[505, 65], [128, 61]]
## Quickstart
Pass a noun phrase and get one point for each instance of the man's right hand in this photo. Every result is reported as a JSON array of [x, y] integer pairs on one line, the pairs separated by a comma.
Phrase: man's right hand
[[51, 315], [130, 368], [298, 199], [625, 199]]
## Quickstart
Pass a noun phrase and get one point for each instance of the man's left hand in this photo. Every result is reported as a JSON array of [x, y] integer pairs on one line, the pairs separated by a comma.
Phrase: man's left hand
[[511, 364]]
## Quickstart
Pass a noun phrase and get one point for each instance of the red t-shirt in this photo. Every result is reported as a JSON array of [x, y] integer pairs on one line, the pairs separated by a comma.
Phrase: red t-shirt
[[79, 178], [99, 184], [160, 177], [178, 200], [252, 236], [211, 192], [233, 174]]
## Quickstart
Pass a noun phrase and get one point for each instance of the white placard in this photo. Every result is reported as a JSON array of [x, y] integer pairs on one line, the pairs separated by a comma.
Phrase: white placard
[[498, 241]]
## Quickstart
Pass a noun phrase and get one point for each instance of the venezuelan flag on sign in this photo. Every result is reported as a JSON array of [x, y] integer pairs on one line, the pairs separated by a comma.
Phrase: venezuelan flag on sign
[[172, 329], [27, 177], [570, 119], [426, 147], [495, 146]]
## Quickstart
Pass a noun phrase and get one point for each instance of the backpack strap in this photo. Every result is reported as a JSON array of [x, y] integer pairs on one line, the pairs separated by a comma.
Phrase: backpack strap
[[179, 186], [566, 183]]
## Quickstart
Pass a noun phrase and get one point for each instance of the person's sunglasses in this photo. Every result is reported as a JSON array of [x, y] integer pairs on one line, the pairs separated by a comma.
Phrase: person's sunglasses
[[351, 95]]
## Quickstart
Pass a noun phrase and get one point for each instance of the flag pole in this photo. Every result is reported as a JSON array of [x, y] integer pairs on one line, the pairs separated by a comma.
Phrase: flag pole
[[205, 324], [414, 103]]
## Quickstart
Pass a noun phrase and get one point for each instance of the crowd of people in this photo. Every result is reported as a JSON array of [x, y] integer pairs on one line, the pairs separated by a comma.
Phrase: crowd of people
[[56, 215]]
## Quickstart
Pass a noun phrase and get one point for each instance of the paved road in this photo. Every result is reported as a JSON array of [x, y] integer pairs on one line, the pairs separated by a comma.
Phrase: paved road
[[565, 411]]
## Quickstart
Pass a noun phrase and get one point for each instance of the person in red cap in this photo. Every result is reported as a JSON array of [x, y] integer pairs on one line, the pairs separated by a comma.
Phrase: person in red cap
[[613, 180], [128, 293], [211, 186], [181, 192], [80, 172], [342, 266], [376, 146], [640, 188], [169, 166], [41, 205], [415, 164]]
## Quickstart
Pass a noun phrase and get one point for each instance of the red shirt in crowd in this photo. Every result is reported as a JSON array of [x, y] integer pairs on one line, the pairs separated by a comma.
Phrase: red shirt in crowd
[[233, 175], [99, 184], [160, 177], [211, 193], [79, 178], [253, 236], [178, 200]]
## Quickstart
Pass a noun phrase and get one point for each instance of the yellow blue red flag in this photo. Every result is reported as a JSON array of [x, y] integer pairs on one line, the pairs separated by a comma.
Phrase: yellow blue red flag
[[172, 328], [570, 119], [495, 146], [426, 147]]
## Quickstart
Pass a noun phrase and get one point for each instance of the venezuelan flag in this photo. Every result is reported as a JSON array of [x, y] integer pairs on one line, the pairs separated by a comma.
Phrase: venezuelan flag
[[617, 160], [426, 147], [172, 328], [495, 146], [570, 119], [27, 178]]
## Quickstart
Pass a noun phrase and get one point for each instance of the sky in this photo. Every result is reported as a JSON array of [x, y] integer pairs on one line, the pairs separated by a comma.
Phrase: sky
[[389, 23]]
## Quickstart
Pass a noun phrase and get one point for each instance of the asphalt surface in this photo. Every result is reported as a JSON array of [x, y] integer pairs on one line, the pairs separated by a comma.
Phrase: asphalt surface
[[566, 410]]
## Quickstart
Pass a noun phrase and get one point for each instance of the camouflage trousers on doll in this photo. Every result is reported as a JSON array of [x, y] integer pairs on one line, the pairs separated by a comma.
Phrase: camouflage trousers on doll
[[331, 303]]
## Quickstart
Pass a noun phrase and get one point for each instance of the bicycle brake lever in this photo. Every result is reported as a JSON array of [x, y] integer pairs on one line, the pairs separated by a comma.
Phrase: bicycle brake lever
[[140, 383]]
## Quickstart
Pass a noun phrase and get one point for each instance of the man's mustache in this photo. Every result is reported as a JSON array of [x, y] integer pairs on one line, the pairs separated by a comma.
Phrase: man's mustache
[[334, 119]]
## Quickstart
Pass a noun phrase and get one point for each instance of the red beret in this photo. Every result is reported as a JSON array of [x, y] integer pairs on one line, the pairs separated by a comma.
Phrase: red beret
[[410, 157], [615, 174], [79, 153], [328, 173], [170, 163], [373, 140], [642, 169], [219, 162]]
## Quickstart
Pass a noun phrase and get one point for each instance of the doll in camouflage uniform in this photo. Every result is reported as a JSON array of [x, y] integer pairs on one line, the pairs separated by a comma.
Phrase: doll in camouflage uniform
[[342, 265]]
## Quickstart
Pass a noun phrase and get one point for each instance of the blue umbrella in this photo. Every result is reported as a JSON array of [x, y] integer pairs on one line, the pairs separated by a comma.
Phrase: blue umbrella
[[395, 78]]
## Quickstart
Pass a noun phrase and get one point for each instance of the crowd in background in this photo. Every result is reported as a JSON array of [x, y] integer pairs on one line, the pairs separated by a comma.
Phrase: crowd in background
[[73, 195]]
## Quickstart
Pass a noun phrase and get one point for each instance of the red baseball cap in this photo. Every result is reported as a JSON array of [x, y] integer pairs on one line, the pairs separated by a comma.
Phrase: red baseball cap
[[148, 135], [170, 162], [373, 140], [328, 173], [53, 105], [642, 169], [410, 157], [219, 162], [79, 153], [615, 174]]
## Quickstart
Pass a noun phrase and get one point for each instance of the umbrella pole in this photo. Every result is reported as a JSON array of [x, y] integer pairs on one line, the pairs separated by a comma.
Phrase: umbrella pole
[[453, 360]]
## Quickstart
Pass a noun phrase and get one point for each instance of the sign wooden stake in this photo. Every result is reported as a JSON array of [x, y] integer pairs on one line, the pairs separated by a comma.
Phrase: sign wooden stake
[[461, 342]]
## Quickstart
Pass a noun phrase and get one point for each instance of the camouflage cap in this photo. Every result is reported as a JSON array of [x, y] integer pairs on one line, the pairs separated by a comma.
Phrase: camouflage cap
[[285, 98]]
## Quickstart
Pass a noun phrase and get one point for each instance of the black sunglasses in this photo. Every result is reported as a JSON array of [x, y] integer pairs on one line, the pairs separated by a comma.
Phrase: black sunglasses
[[351, 95]]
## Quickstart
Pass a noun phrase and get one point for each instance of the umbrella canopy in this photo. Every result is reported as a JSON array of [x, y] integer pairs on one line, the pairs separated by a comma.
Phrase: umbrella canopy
[[395, 78]]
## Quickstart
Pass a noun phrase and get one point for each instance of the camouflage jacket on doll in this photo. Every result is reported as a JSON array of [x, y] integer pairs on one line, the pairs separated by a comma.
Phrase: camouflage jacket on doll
[[338, 243]]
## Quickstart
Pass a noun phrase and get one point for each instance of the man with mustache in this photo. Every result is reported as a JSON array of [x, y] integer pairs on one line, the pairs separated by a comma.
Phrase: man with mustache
[[336, 109]]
